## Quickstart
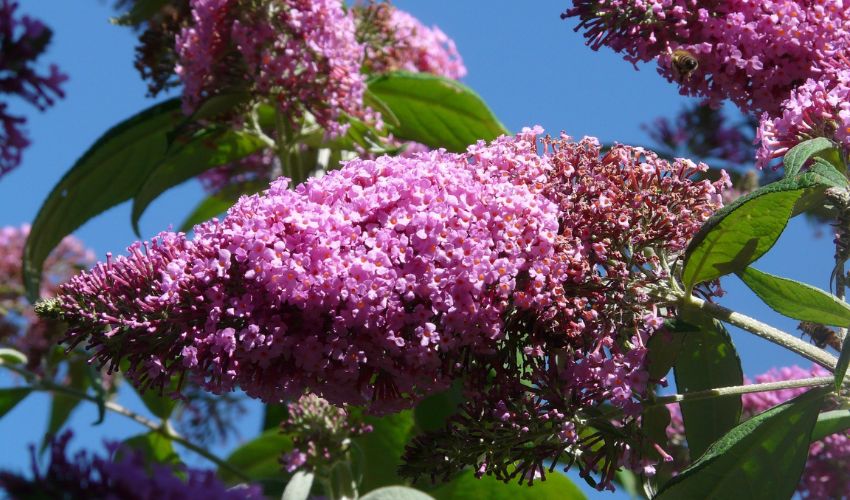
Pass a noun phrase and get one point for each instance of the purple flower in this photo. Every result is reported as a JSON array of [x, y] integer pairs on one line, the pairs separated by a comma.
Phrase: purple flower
[[122, 473], [365, 286], [22, 41]]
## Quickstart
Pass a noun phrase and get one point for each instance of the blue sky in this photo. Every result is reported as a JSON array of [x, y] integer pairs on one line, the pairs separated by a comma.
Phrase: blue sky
[[524, 61]]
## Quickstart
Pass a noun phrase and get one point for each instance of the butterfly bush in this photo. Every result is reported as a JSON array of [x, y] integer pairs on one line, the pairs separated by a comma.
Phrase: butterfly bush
[[321, 433], [753, 53], [20, 328], [624, 217], [367, 286], [121, 473], [825, 474], [22, 42], [302, 53], [817, 108], [396, 40]]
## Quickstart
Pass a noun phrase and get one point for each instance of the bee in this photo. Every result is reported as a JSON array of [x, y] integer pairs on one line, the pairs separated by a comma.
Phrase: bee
[[821, 335], [684, 64]]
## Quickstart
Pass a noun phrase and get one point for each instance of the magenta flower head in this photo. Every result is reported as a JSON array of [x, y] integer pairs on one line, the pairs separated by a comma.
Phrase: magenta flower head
[[367, 286], [753, 53], [395, 40], [22, 41], [624, 216], [817, 108], [302, 54], [122, 473]]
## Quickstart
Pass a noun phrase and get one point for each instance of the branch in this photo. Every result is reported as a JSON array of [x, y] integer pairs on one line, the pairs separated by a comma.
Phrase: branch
[[161, 427], [764, 331], [741, 389]]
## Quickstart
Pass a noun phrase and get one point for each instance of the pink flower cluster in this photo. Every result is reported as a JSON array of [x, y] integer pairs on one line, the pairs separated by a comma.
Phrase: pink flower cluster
[[20, 328], [301, 53], [753, 53], [587, 347], [122, 473], [367, 286], [825, 475], [22, 41], [817, 108], [402, 42]]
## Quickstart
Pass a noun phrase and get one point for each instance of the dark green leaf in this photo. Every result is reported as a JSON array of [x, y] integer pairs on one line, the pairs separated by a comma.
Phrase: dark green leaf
[[208, 149], [298, 488], [797, 300], [761, 458], [664, 347], [629, 482], [746, 229], [396, 493], [96, 383], [828, 171], [161, 405], [109, 173], [654, 423], [219, 203], [436, 111], [155, 447], [260, 459], [381, 449], [708, 360], [830, 422], [273, 415], [9, 398], [556, 487], [433, 412], [797, 156], [142, 11]]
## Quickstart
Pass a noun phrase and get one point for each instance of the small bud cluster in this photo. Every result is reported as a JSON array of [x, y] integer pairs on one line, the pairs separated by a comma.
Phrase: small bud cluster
[[122, 473], [22, 42], [321, 433]]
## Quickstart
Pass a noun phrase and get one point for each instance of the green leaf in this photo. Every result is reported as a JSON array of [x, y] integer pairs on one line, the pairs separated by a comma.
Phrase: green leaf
[[9, 398], [155, 447], [381, 449], [160, 405], [629, 482], [62, 404], [259, 459], [219, 203], [109, 173], [434, 411], [141, 12], [797, 300], [298, 488], [761, 458], [746, 229], [797, 156], [396, 493], [556, 487], [436, 111], [707, 360], [828, 171], [664, 346], [12, 357], [208, 149], [830, 422], [273, 415]]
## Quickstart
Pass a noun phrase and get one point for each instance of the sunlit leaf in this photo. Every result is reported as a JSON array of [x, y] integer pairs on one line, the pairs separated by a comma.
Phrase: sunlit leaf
[[556, 487]]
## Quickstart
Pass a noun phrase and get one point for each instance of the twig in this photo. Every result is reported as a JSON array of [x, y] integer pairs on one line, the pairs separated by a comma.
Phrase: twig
[[741, 389]]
